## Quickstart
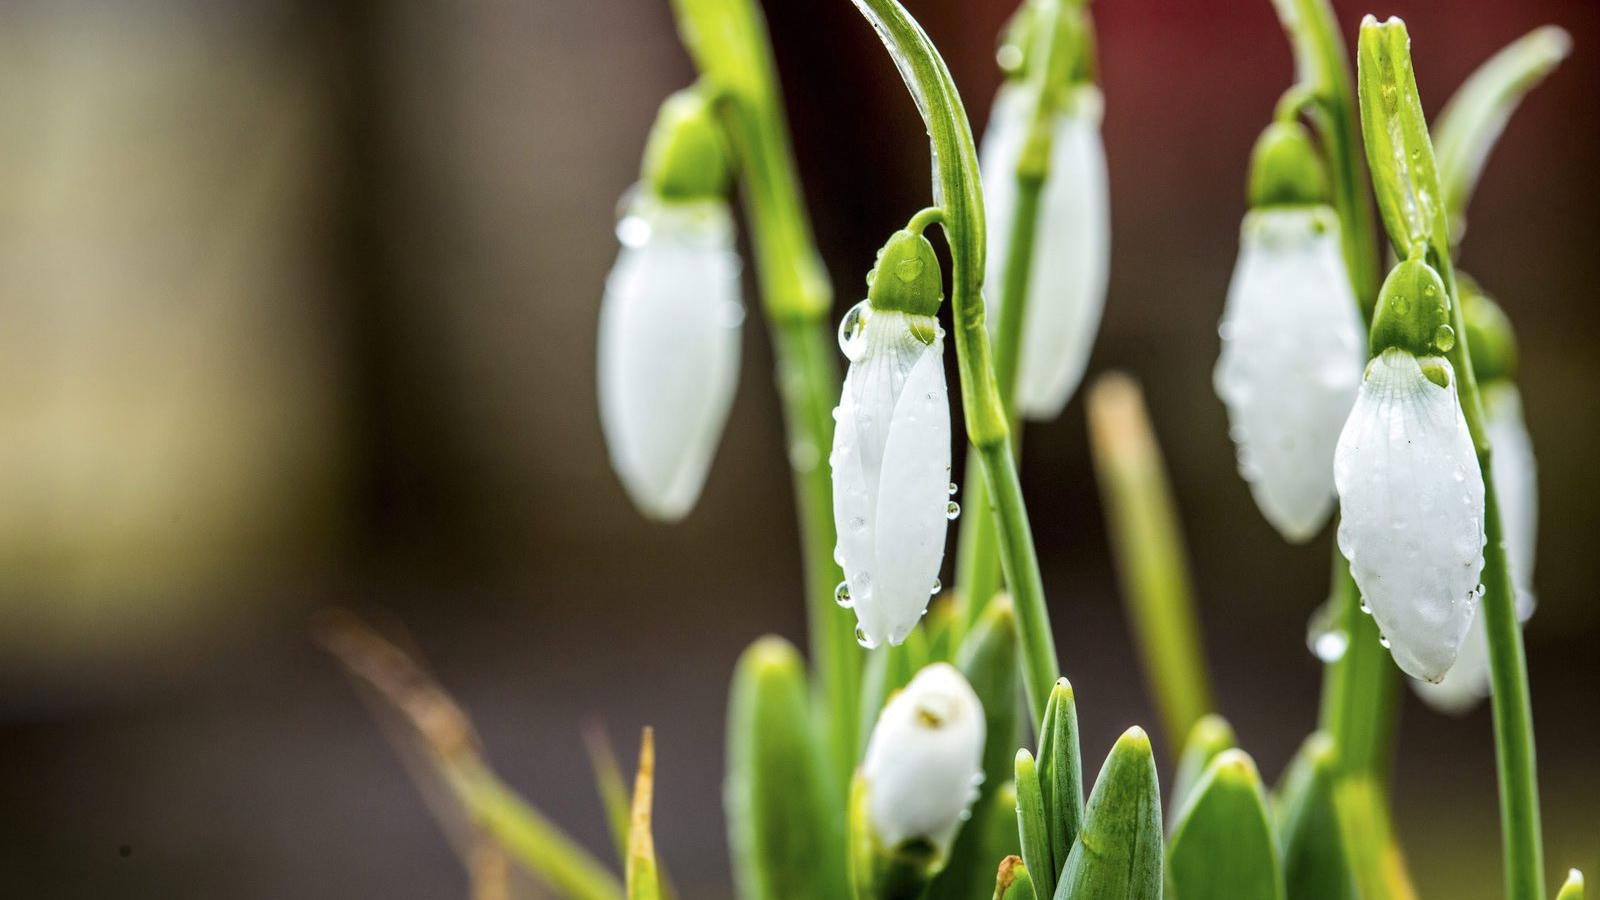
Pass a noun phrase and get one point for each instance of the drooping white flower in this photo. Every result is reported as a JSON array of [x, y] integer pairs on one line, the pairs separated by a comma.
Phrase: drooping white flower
[[1412, 504], [1293, 347], [1072, 242], [891, 469], [924, 761], [669, 349], [1516, 483]]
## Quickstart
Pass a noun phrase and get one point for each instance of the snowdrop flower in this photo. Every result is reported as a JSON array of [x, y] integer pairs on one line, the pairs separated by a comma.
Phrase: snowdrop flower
[[1410, 490], [1292, 338], [670, 317], [924, 761], [1516, 482], [891, 445], [1072, 243]]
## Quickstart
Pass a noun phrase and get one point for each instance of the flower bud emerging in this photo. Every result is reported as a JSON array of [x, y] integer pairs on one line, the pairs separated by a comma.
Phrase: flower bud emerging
[[891, 447], [1285, 168], [1072, 242], [1412, 499], [669, 349], [1515, 481], [685, 158], [1291, 362], [924, 761]]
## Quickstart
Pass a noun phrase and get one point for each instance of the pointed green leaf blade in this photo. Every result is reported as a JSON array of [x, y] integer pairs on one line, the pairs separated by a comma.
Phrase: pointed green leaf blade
[[1061, 771], [1117, 855], [1314, 866], [1031, 825], [784, 840], [1223, 847], [1207, 739]]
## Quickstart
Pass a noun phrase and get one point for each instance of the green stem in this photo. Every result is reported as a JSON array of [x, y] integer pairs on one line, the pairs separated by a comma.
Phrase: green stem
[[1148, 546], [1400, 153], [956, 165], [978, 559], [1361, 680], [1360, 695], [729, 41]]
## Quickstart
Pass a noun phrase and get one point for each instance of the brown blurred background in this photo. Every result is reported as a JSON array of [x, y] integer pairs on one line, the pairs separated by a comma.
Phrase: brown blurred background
[[297, 303]]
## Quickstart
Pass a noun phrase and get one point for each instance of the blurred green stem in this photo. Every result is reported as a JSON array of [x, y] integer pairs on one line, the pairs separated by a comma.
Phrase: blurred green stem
[[1148, 547], [988, 429], [1361, 682], [728, 39], [1406, 180]]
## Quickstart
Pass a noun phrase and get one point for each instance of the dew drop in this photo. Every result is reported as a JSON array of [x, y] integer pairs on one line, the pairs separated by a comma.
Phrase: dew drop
[[966, 814], [850, 330], [1325, 634], [838, 555], [951, 510], [1364, 607], [952, 489], [937, 587], [863, 640], [731, 315], [841, 594], [1383, 642], [908, 269], [1444, 337], [633, 231]]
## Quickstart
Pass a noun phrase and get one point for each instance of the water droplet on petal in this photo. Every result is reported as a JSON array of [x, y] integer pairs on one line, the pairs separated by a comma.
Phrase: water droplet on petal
[[863, 640], [937, 587], [1383, 642], [952, 489], [951, 510], [633, 231], [850, 328], [841, 595], [732, 314], [1325, 634]]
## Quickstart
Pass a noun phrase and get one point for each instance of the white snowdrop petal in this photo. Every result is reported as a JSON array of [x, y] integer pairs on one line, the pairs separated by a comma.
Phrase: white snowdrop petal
[[1412, 504], [1072, 244], [669, 355], [1516, 484], [1293, 347], [924, 760], [891, 465], [912, 497], [1515, 479]]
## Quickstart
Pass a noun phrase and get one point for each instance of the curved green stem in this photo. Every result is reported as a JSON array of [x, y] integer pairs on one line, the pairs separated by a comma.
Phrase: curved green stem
[[728, 39], [961, 195], [1323, 67], [1359, 695], [1477, 113], [1400, 153]]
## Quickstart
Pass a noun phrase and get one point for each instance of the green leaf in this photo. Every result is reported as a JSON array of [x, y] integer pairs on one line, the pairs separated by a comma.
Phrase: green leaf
[[1314, 866], [1572, 889], [644, 882], [1117, 855], [1209, 737], [1368, 837], [1013, 882], [1223, 847], [608, 783], [1032, 827], [1473, 119], [1061, 772], [988, 659], [780, 830]]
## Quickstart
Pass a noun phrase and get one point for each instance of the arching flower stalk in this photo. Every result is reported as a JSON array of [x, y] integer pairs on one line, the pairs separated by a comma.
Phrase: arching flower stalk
[[1065, 281], [671, 315], [916, 784], [891, 444], [1410, 489], [1516, 480], [1292, 352]]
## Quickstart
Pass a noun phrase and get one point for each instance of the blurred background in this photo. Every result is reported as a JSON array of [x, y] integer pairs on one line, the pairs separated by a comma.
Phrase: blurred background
[[297, 308]]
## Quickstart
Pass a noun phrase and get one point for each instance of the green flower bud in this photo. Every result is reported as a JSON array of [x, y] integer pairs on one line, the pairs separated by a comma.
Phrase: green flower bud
[[906, 278], [1286, 169], [1489, 334], [1413, 314], [1013, 882], [1571, 889], [685, 158]]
